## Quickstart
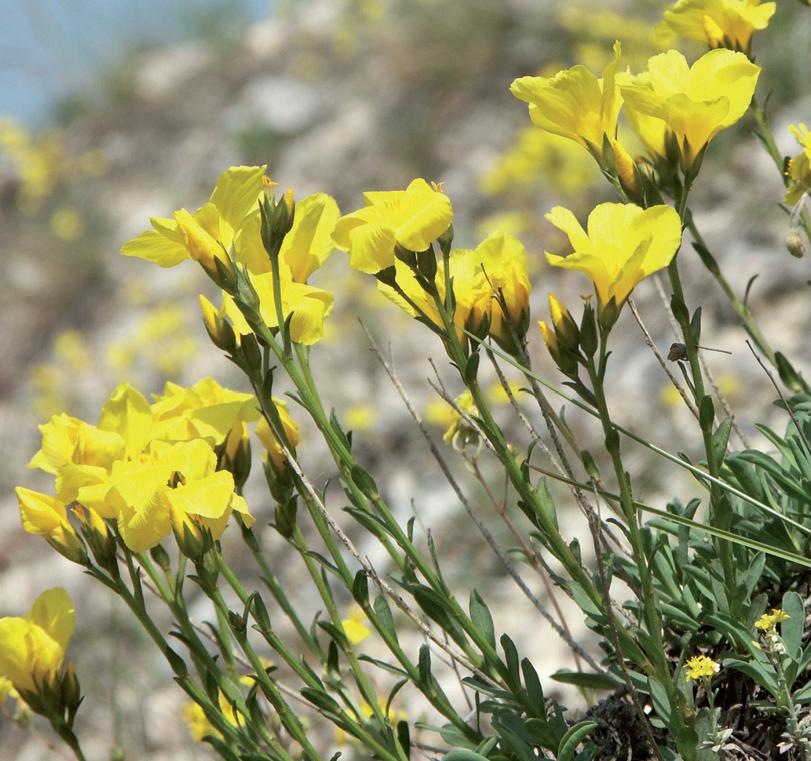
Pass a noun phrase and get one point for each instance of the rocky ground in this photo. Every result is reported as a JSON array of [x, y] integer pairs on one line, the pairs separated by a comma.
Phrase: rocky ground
[[336, 98]]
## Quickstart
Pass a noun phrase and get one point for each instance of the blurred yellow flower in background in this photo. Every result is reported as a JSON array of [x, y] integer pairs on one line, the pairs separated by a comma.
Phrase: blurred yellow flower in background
[[355, 626], [67, 224], [359, 417], [721, 23]]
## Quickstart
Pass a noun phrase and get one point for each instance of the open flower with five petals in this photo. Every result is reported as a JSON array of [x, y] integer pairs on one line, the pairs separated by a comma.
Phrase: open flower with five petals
[[688, 105], [621, 246], [412, 218]]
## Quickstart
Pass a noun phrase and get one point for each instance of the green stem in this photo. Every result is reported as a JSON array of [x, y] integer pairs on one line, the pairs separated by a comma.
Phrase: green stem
[[737, 304], [278, 701], [278, 593], [647, 594], [557, 545], [69, 738], [719, 513]]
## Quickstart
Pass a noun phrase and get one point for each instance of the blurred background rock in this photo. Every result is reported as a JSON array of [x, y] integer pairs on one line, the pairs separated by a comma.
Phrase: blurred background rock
[[116, 111]]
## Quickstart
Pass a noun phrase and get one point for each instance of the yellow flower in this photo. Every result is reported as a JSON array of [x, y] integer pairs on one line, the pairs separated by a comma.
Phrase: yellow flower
[[460, 434], [360, 417], [799, 168], [498, 265], [7, 690], [411, 218], [721, 23], [355, 627], [768, 621], [561, 338], [499, 270], [70, 350], [624, 244], [575, 104], [205, 410], [170, 482], [688, 104], [271, 442], [701, 667], [195, 718], [305, 247], [197, 722], [67, 224], [47, 516], [212, 229], [32, 648], [309, 306], [496, 394]]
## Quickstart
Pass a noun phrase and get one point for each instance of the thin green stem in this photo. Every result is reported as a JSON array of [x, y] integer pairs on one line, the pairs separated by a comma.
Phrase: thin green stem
[[738, 304]]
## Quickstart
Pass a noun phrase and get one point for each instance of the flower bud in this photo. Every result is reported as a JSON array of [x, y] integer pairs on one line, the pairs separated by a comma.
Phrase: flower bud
[[188, 534], [218, 328], [627, 172], [204, 248], [70, 690], [794, 242], [98, 538]]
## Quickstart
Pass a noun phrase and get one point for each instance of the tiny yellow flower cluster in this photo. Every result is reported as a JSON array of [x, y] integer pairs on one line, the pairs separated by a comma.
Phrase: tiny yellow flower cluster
[[768, 621], [700, 667]]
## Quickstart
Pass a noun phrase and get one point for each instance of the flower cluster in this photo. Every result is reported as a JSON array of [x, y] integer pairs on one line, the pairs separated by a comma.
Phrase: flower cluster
[[152, 468], [674, 109], [228, 228], [700, 667]]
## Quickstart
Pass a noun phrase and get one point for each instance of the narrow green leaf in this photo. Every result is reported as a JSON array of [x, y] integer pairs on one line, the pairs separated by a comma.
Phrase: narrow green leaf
[[578, 733], [481, 617]]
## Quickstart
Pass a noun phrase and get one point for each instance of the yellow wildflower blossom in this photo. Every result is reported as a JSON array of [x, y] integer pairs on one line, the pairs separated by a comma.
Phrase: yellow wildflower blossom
[[32, 648], [689, 105], [496, 268], [47, 516], [700, 667], [359, 417], [355, 627], [205, 410], [411, 218], [210, 231], [460, 433], [768, 621], [269, 440], [721, 23], [574, 103], [623, 245], [577, 105], [799, 168]]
